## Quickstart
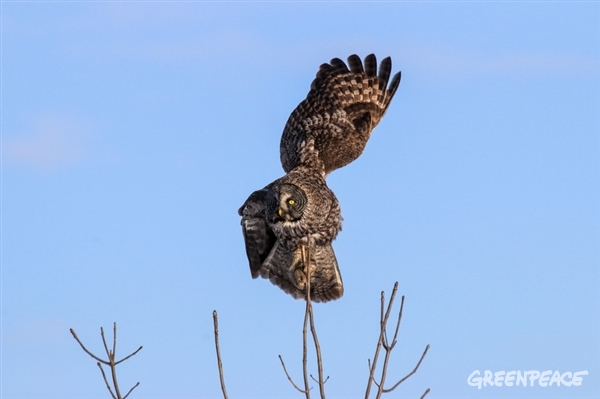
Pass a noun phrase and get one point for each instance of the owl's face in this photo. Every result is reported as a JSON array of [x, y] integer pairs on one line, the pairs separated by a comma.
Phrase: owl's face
[[286, 204]]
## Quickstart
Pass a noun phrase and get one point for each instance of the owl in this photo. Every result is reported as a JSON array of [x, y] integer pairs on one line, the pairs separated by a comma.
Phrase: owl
[[290, 224]]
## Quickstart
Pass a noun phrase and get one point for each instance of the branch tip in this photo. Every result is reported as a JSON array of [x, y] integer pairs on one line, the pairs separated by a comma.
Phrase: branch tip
[[219, 363], [110, 362]]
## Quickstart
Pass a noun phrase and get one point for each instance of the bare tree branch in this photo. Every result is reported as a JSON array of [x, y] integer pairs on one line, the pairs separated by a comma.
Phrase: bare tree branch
[[313, 378], [309, 309], [319, 358], [104, 342], [111, 359], [382, 322], [306, 316], [219, 364], [128, 356], [425, 394], [388, 347], [85, 349], [409, 374], [376, 383], [132, 388], [398, 324], [106, 381], [114, 339], [288, 376], [110, 362]]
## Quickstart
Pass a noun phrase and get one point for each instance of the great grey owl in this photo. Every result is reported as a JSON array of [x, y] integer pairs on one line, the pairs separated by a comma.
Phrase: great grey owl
[[297, 216], [294, 212]]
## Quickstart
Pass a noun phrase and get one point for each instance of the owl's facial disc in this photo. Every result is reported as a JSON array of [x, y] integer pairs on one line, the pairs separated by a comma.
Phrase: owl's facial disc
[[288, 208], [289, 204]]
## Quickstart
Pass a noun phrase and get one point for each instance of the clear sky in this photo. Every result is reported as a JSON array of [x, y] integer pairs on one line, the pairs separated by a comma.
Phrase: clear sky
[[133, 131]]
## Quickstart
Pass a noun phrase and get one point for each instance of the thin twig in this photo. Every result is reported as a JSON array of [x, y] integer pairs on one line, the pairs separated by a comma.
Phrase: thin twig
[[114, 351], [132, 388], [104, 342], [319, 358], [381, 307], [387, 315], [132, 354], [398, 323], [288, 376], [386, 360], [106, 381], [220, 365], [388, 347], [110, 362], [373, 366], [314, 331], [85, 349], [382, 335], [111, 359], [306, 316], [409, 374], [313, 378]]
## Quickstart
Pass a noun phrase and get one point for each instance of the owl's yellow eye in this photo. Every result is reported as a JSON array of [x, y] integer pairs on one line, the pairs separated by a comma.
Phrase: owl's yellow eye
[[291, 202]]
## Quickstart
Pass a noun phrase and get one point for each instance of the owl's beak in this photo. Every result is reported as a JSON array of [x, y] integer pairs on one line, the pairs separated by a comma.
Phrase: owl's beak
[[280, 212]]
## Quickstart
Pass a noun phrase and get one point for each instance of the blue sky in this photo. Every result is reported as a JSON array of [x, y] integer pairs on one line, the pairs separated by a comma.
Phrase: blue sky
[[133, 131]]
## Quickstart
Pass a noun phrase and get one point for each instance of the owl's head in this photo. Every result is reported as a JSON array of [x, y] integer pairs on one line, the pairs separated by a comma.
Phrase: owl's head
[[286, 203]]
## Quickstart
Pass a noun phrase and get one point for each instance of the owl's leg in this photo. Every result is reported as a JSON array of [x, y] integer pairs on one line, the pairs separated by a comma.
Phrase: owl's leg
[[305, 250], [297, 260], [305, 261], [296, 268]]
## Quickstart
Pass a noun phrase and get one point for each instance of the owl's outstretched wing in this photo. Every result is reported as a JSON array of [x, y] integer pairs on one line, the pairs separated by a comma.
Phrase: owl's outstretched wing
[[258, 236], [331, 127]]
